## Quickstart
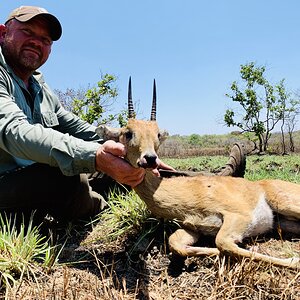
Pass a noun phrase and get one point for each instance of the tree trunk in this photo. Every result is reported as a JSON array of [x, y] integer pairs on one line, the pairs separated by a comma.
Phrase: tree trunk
[[283, 139], [261, 143], [292, 144]]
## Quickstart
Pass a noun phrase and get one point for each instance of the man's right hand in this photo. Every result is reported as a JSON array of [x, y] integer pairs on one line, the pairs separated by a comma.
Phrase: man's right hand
[[109, 160]]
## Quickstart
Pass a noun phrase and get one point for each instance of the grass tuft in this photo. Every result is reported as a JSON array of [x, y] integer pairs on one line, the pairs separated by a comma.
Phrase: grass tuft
[[126, 212], [22, 250]]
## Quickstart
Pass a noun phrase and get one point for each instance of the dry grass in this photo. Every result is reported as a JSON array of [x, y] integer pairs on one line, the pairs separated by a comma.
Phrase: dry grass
[[103, 270]]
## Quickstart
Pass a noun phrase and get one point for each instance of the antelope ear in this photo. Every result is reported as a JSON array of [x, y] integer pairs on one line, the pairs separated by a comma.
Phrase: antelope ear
[[108, 133], [163, 134]]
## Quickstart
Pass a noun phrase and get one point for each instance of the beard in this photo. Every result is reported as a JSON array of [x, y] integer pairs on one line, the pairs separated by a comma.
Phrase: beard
[[27, 58], [29, 62]]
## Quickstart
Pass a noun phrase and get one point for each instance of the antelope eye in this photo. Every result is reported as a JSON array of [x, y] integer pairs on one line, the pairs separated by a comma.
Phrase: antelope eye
[[128, 135], [159, 135]]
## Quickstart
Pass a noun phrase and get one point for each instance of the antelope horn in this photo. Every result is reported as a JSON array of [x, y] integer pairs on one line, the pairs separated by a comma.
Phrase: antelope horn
[[153, 110], [131, 113]]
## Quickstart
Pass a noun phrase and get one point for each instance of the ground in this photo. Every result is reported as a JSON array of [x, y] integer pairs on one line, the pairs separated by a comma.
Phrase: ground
[[126, 269]]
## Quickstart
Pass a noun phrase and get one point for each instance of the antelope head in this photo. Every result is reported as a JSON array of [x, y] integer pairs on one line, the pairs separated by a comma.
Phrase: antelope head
[[141, 138]]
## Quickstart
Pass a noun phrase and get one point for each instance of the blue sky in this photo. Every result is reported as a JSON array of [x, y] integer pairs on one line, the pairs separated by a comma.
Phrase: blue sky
[[192, 48]]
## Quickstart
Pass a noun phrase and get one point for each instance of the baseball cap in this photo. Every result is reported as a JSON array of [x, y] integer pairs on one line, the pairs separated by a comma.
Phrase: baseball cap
[[26, 13]]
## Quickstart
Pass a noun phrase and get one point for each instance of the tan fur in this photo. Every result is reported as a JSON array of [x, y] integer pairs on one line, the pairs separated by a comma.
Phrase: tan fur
[[229, 208]]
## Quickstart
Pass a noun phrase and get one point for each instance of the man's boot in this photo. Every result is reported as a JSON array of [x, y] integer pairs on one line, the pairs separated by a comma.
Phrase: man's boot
[[236, 164]]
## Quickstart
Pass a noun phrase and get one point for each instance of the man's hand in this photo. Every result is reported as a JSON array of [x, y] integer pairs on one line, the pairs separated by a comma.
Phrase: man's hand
[[163, 166], [109, 161]]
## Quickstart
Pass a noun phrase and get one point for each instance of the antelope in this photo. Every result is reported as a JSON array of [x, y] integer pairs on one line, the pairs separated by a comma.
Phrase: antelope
[[228, 208]]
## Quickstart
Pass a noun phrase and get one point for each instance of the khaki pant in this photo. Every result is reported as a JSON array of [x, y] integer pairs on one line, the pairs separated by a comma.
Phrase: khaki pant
[[46, 190]]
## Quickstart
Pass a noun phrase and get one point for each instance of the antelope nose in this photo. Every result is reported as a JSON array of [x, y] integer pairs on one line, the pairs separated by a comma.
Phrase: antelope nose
[[151, 160]]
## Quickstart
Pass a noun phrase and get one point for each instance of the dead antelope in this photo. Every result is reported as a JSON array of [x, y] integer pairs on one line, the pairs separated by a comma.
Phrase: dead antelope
[[229, 208]]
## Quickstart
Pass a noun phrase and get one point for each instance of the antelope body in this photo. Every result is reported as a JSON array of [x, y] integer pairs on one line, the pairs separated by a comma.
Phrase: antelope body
[[229, 208]]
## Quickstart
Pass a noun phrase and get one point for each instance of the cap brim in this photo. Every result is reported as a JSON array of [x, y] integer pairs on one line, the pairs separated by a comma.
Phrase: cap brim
[[54, 25]]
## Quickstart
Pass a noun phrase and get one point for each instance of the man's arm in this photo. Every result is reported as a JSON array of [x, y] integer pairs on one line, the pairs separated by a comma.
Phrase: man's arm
[[21, 139]]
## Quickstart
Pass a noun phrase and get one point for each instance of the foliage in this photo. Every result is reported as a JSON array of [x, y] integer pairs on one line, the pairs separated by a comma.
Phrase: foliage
[[177, 146], [94, 104], [122, 118], [22, 249], [90, 108], [194, 139], [66, 97], [263, 105], [290, 109]]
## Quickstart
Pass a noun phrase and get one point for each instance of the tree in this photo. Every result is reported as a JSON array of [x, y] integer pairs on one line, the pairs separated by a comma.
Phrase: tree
[[291, 121], [194, 139], [283, 96], [93, 105], [262, 105], [290, 125], [90, 108], [66, 97]]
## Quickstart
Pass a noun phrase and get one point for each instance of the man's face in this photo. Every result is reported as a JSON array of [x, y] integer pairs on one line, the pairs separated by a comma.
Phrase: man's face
[[26, 46]]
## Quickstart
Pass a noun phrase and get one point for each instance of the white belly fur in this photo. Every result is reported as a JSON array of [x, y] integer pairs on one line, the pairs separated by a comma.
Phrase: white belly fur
[[262, 218]]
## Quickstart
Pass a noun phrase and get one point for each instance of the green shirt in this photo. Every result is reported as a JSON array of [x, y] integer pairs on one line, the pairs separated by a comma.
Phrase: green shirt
[[44, 133]]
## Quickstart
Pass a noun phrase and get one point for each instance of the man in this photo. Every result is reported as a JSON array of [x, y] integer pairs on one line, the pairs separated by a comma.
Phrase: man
[[45, 151]]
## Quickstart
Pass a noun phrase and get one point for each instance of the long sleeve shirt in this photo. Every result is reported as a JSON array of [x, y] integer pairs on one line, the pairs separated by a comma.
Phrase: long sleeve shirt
[[34, 127]]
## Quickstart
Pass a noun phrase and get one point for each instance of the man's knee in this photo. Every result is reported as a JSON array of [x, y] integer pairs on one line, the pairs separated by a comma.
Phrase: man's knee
[[85, 202]]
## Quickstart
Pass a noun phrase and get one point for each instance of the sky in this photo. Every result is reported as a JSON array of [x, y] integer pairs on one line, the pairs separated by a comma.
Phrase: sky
[[193, 49]]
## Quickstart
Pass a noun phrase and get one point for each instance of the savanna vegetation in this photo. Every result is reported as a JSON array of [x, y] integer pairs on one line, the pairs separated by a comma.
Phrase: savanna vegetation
[[263, 114], [262, 106], [123, 253]]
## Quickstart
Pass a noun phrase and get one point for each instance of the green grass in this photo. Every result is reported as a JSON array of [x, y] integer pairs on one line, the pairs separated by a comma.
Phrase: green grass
[[258, 167], [22, 250], [200, 163], [274, 167], [126, 212]]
